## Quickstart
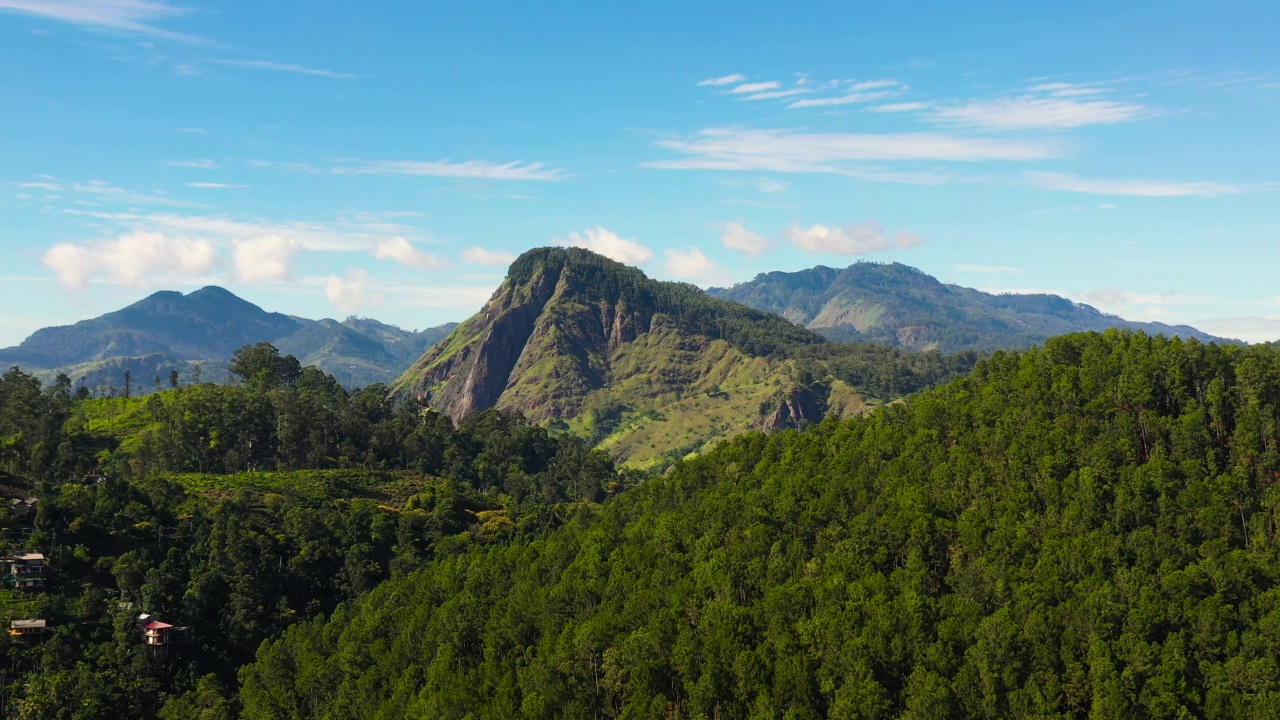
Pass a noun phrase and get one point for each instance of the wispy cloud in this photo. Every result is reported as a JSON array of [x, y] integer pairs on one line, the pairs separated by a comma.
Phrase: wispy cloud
[[297, 167], [1063, 182], [285, 68], [864, 239], [215, 185], [1042, 111], [800, 152], [479, 169], [846, 99], [755, 87], [726, 80], [104, 192], [899, 107], [195, 164], [128, 16], [349, 233]]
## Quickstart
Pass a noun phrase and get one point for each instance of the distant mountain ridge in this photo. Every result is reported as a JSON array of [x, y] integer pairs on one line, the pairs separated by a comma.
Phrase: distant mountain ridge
[[172, 331], [905, 307]]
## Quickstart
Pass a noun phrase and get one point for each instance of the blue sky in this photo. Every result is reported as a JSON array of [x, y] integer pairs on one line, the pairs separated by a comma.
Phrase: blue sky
[[388, 159]]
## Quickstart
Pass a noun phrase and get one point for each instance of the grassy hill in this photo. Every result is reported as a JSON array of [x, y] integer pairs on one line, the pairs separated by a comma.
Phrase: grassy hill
[[902, 306], [651, 371]]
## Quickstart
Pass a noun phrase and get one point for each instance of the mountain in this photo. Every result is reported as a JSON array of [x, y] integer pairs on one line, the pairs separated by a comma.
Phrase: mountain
[[1084, 530], [649, 370], [902, 306], [171, 331]]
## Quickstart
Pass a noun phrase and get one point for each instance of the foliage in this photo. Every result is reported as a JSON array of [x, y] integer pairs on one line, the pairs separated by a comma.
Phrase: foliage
[[1083, 530], [345, 491]]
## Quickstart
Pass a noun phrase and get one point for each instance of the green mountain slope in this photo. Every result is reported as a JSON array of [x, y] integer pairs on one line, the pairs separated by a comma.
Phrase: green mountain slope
[[902, 306], [650, 370], [171, 331], [1087, 530]]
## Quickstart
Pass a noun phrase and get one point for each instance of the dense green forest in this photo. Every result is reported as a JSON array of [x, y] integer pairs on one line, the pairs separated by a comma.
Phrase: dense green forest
[[239, 510], [1087, 530]]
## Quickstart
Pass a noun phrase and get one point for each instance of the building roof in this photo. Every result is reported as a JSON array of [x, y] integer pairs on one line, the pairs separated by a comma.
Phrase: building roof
[[29, 556], [28, 624], [23, 501], [156, 625]]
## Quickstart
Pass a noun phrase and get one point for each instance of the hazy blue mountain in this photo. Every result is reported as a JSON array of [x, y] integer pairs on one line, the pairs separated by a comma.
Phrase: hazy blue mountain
[[171, 331], [900, 305]]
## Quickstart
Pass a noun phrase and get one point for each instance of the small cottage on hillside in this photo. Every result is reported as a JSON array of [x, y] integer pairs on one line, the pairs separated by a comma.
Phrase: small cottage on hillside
[[28, 631], [23, 508], [27, 571]]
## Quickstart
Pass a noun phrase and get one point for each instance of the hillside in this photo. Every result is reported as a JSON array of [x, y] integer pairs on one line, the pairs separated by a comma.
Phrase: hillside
[[1086, 530], [649, 370], [171, 331], [902, 306], [236, 511]]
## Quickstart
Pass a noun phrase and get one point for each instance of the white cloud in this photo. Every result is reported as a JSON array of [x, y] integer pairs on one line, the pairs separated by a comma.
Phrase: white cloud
[[873, 85], [214, 185], [847, 99], [1038, 113], [492, 258], [348, 294], [693, 265], [264, 259], [197, 164], [608, 243], [403, 252], [478, 169], [755, 87], [726, 80], [774, 94], [736, 236], [796, 152], [1063, 182], [131, 259], [305, 168], [900, 107], [285, 67], [862, 239], [131, 16]]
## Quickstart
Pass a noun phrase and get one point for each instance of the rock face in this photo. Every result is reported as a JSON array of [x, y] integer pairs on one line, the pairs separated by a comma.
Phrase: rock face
[[644, 367]]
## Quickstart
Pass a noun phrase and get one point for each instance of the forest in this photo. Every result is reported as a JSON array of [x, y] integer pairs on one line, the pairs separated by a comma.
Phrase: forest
[[236, 511], [1082, 530], [1086, 530]]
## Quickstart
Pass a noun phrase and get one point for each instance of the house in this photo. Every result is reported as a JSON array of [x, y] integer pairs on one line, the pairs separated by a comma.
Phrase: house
[[23, 508], [160, 637], [29, 631], [27, 571]]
